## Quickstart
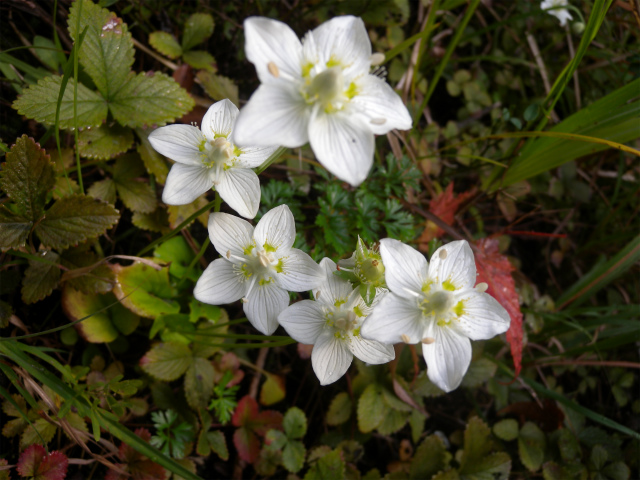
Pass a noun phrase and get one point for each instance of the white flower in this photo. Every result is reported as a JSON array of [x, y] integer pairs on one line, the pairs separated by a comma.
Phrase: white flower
[[553, 7], [210, 158], [319, 91], [436, 304], [258, 266], [332, 325]]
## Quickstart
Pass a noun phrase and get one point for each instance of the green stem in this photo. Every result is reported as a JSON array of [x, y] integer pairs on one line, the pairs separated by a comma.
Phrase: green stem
[[75, 104]]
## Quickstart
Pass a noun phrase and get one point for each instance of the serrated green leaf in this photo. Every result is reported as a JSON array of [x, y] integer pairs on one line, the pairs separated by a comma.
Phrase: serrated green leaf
[[105, 315], [144, 290], [198, 310], [496, 466], [340, 409], [371, 408], [197, 29], [506, 429], [275, 439], [104, 190], [40, 101], [198, 383], [293, 456], [479, 372], [167, 361], [295, 423], [153, 161], [157, 221], [166, 44], [392, 421], [134, 193], [14, 229], [104, 142], [40, 430], [40, 278], [73, 219], [217, 86], [27, 177], [568, 445], [329, 466], [430, 458], [199, 59], [218, 444], [477, 444], [531, 446], [148, 99], [65, 187], [107, 52]]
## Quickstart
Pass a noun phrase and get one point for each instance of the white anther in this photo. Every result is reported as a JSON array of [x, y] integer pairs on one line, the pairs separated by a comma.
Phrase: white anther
[[244, 300], [228, 255], [318, 294], [405, 338], [220, 142], [378, 121], [273, 69], [443, 254], [428, 340], [482, 287], [377, 59], [228, 153]]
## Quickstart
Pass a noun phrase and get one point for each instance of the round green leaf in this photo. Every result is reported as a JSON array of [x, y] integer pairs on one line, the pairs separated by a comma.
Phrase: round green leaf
[[295, 423]]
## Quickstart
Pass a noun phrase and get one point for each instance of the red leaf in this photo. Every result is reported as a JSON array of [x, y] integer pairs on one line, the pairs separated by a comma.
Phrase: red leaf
[[34, 462], [444, 206], [495, 270], [246, 411], [251, 423], [137, 465], [247, 444]]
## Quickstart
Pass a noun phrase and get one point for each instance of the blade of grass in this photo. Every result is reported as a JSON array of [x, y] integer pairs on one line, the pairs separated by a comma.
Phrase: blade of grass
[[409, 41], [75, 103]]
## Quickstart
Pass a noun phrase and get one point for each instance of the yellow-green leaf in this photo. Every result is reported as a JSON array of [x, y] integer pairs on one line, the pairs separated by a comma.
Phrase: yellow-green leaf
[[166, 44], [198, 28], [167, 361], [104, 142]]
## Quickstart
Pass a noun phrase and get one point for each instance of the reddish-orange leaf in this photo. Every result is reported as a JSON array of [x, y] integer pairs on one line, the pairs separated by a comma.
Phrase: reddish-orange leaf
[[36, 464], [495, 270], [251, 424]]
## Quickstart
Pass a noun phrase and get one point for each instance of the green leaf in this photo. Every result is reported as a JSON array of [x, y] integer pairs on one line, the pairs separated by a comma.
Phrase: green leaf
[[167, 361], [273, 390], [198, 310], [107, 52], [153, 161], [104, 142], [133, 191], [531, 446], [617, 471], [5, 314], [568, 445], [104, 190], [40, 101], [217, 86], [166, 44], [477, 444], [295, 423], [197, 29], [46, 51], [14, 229], [199, 59], [371, 408], [430, 458], [327, 467], [27, 177], [198, 383], [392, 421], [40, 278], [479, 372], [506, 429], [496, 466], [339, 410], [150, 98], [599, 457], [40, 430], [275, 439], [157, 221], [105, 315], [218, 444], [293, 456], [178, 254], [74, 219]]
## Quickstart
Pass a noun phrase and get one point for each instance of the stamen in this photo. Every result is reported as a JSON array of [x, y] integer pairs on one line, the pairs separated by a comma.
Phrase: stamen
[[405, 338], [244, 300], [377, 59], [428, 340], [273, 69], [378, 121], [219, 142], [443, 254], [481, 287], [228, 255], [411, 292], [318, 294]]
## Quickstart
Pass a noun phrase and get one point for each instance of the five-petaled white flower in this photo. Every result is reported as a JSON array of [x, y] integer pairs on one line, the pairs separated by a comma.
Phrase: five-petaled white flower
[[319, 91], [210, 158], [554, 7], [435, 304], [332, 324], [258, 266]]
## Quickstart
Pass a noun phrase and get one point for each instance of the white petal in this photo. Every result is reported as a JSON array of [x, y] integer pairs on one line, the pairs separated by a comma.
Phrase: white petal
[[303, 321], [457, 266], [275, 115], [333, 288], [181, 143], [229, 234], [405, 269], [299, 272], [381, 107], [447, 358], [392, 319], [219, 284], [185, 183], [483, 316], [270, 41], [219, 119], [344, 40], [276, 228], [240, 188], [330, 358], [344, 145], [253, 157], [370, 351], [265, 303]]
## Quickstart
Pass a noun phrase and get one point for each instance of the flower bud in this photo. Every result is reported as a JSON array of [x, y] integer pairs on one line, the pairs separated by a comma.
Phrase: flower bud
[[372, 270], [577, 27]]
